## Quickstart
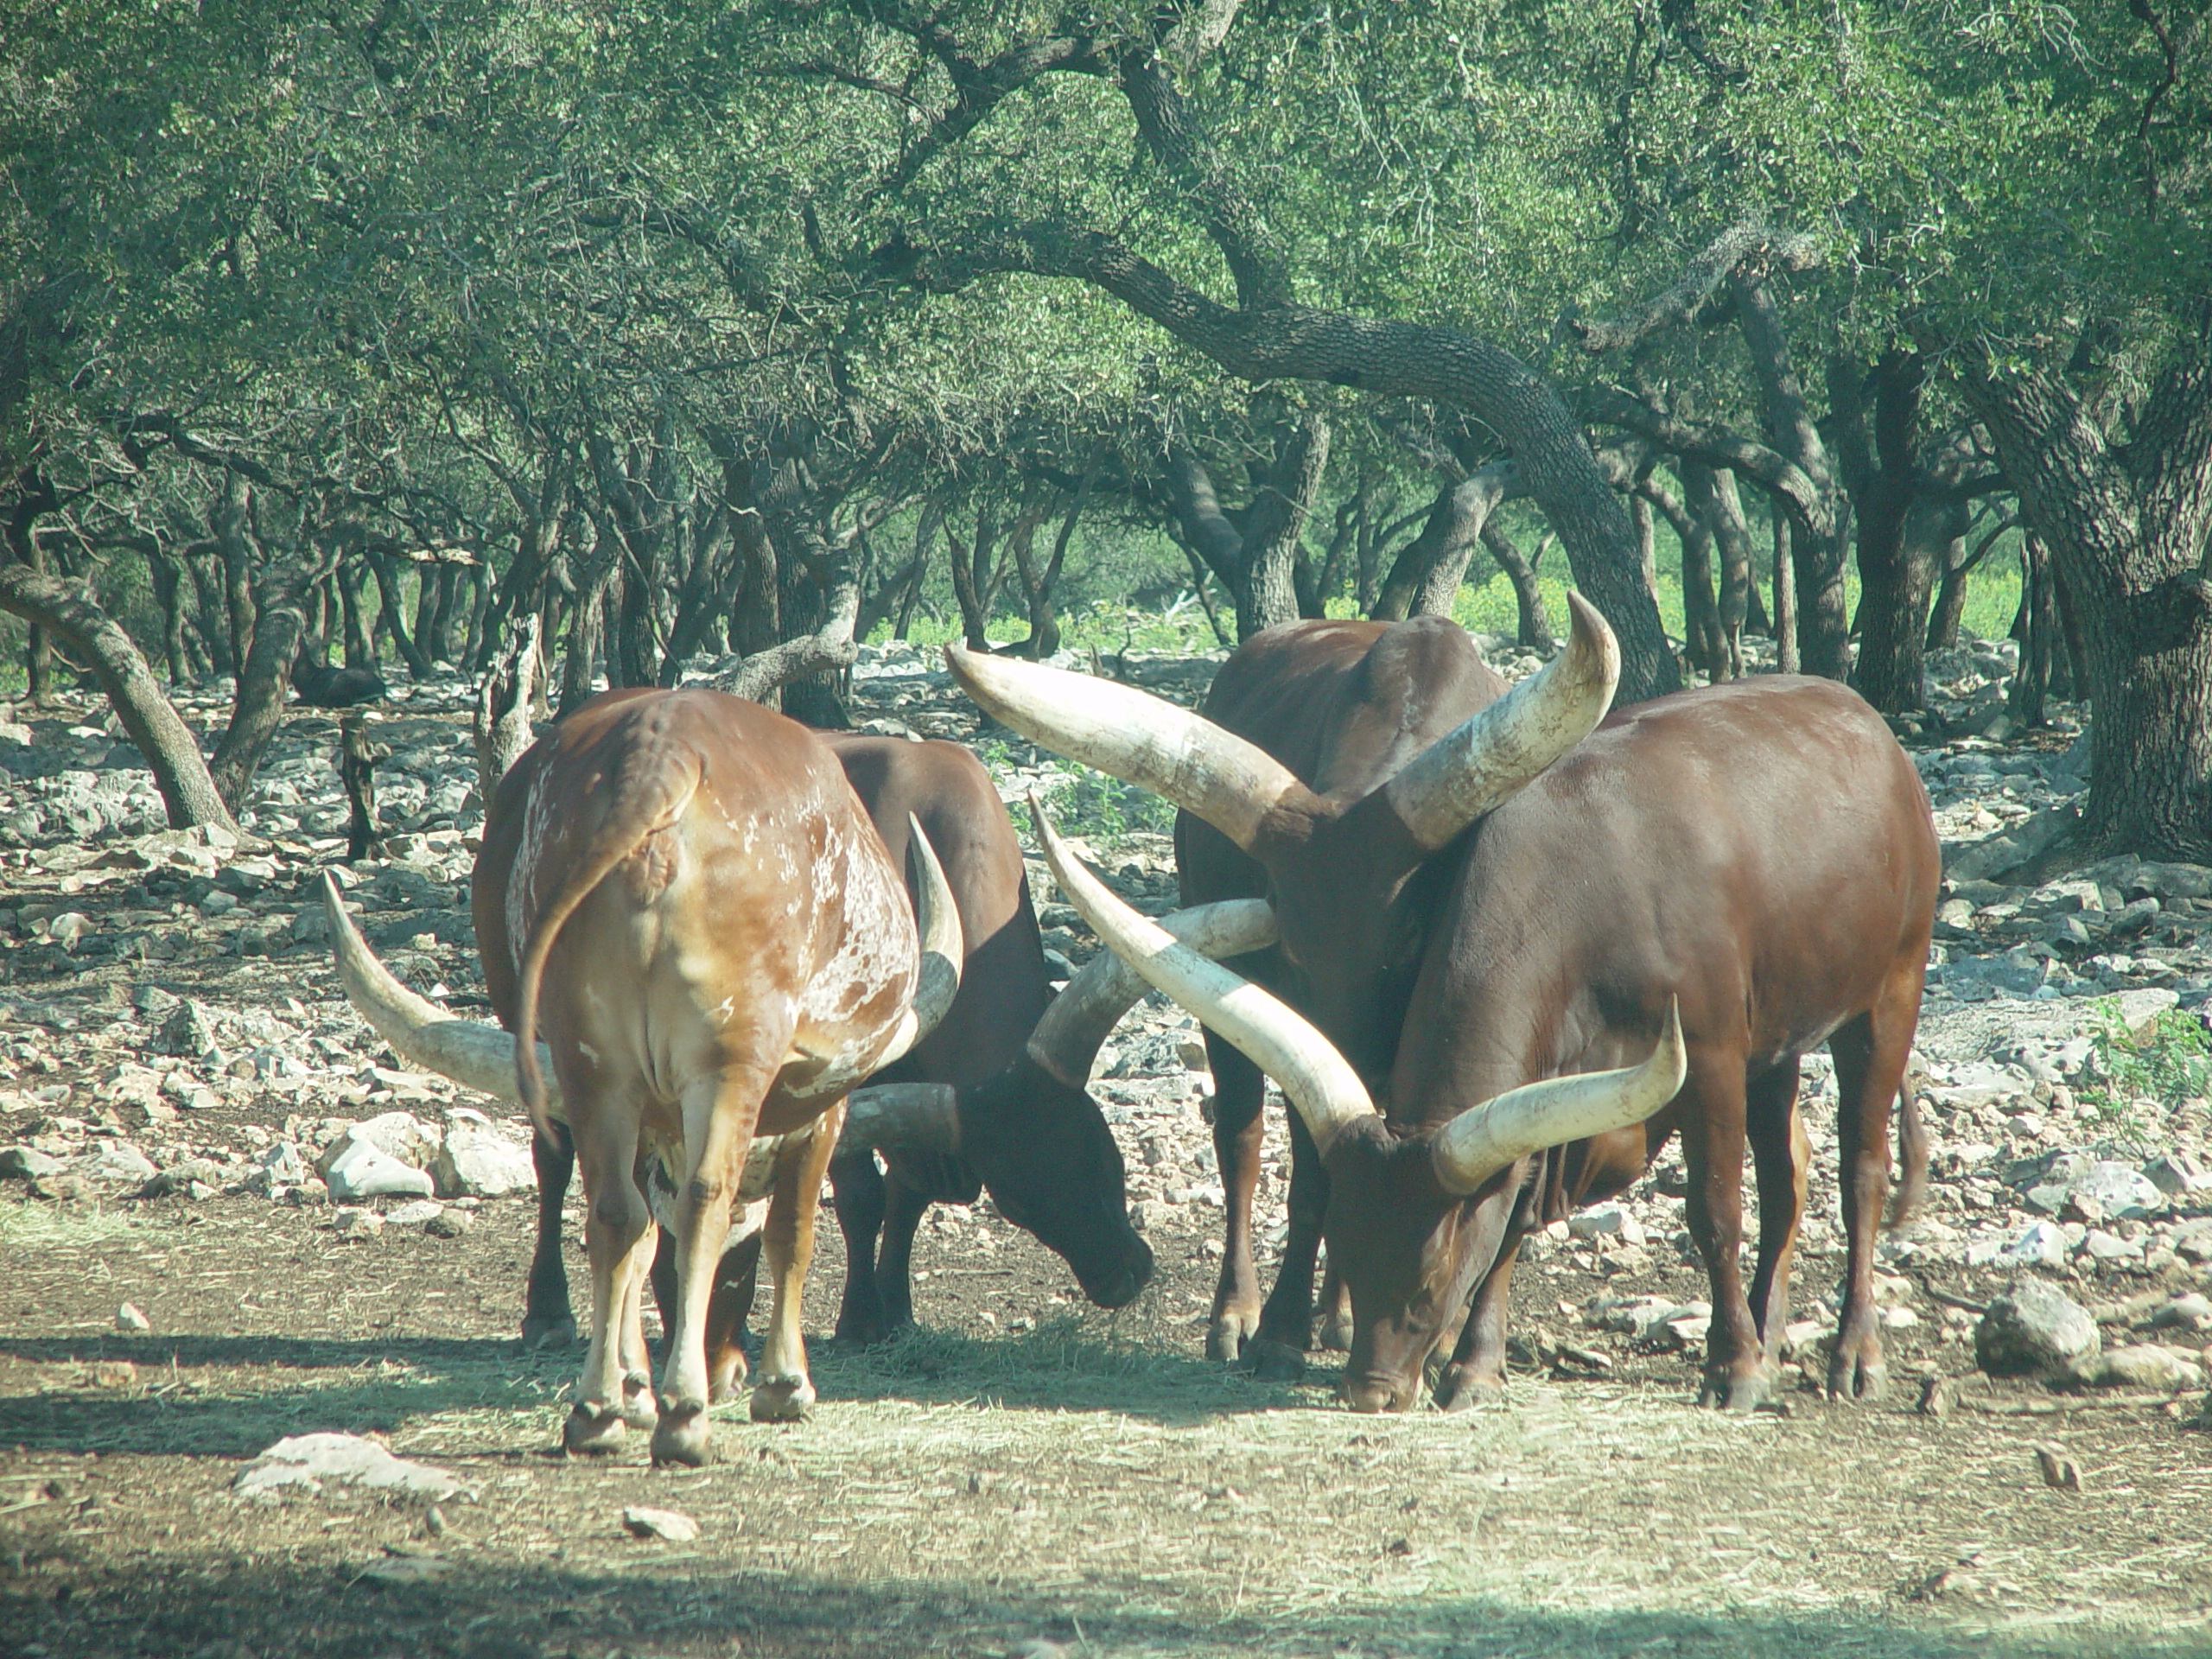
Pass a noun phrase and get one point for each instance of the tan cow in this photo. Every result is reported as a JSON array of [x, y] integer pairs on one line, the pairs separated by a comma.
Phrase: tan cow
[[719, 948]]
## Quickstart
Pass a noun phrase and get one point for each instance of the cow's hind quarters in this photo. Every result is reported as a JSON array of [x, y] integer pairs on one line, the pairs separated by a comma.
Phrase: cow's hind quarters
[[782, 1400], [555, 1330], [684, 1435], [592, 1432]]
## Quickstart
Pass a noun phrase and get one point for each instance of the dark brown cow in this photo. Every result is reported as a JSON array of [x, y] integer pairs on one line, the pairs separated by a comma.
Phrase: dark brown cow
[[1761, 854], [721, 947]]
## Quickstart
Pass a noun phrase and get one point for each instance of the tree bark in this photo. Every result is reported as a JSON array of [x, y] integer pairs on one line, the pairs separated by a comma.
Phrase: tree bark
[[234, 548], [388, 611], [1536, 627], [280, 623], [502, 724], [1785, 594], [1702, 639], [2037, 628], [1432, 565], [1277, 526], [67, 608], [2125, 527]]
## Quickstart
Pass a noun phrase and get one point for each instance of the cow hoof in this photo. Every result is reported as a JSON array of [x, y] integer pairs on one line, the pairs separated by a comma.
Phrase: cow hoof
[[591, 1433], [683, 1436], [782, 1400], [1850, 1382], [1335, 1335], [1457, 1390], [1738, 1394], [557, 1332], [1273, 1361], [1226, 1338], [639, 1409]]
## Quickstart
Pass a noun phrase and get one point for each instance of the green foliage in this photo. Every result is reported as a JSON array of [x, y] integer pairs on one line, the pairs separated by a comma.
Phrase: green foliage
[[2170, 1061]]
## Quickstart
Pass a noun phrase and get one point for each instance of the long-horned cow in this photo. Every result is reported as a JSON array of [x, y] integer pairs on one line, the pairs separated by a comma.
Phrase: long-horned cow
[[995, 1093], [719, 948], [1476, 918]]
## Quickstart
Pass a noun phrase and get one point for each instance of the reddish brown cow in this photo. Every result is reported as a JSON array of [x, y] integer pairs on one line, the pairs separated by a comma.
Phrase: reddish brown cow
[[721, 947], [1761, 854]]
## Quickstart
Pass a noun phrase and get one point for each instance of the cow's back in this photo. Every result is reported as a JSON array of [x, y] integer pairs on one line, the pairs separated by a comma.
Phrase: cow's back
[[1763, 847]]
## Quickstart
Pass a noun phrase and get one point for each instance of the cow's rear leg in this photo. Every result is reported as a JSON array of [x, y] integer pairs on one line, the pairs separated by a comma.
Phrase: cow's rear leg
[[1712, 1111], [785, 1393], [619, 1238], [547, 1320], [1870, 1054], [1278, 1348], [861, 1192], [731, 1303], [1782, 1157], [1239, 1093], [719, 1113]]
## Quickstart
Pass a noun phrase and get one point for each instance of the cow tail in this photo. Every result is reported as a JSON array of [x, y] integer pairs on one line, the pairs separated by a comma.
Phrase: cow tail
[[622, 833], [1912, 1159]]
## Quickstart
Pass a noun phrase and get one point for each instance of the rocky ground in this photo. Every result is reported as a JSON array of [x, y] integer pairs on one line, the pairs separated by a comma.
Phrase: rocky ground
[[172, 1032], [177, 1063]]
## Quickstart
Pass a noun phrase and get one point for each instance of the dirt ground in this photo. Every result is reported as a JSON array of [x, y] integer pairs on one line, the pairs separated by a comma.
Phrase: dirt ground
[[1092, 1482], [1026, 1475]]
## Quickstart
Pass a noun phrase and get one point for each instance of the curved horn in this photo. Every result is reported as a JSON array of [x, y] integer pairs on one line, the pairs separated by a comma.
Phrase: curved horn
[[902, 1117], [1458, 778], [1326, 1092], [480, 1056], [1485, 1139], [1066, 1040], [943, 948], [1138, 738]]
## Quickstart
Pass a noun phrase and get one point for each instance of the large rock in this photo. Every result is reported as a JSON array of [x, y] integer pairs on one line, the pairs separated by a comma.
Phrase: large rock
[[360, 1169], [477, 1161], [2120, 1190], [2034, 1331], [2143, 1366], [27, 1164], [401, 1136], [311, 1461]]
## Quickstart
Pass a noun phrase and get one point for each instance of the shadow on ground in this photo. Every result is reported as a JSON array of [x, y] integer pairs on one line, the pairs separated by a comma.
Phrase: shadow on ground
[[275, 1609]]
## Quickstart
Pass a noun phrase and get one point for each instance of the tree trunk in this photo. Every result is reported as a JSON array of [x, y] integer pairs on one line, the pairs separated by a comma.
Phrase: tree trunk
[[234, 548], [1536, 627], [1785, 595], [388, 611], [280, 624], [1647, 544], [1431, 567], [167, 583], [351, 575], [2125, 527], [67, 609], [2037, 628], [357, 771], [579, 664], [502, 726], [1701, 641]]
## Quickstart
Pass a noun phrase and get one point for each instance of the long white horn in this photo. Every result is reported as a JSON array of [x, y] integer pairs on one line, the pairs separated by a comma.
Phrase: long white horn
[[1137, 737], [902, 1117], [1485, 1139], [1458, 778], [476, 1055], [943, 948], [1326, 1092], [1066, 1040]]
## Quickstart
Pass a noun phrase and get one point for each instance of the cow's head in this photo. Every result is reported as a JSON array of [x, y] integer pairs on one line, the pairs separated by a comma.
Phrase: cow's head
[[1343, 870], [1408, 1205], [1034, 1134]]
